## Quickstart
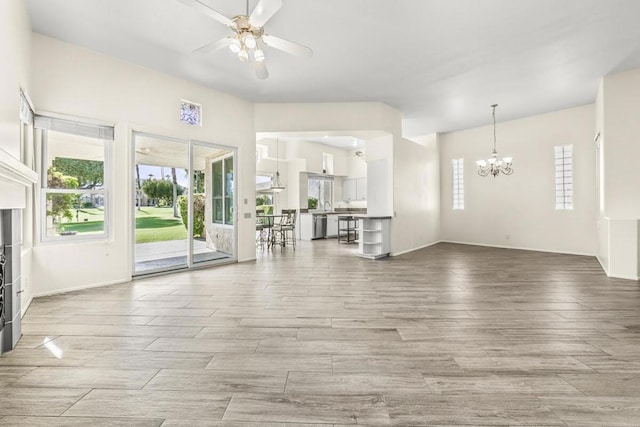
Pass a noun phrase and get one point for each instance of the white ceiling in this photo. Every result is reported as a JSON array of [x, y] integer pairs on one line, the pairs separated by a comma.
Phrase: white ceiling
[[442, 63]]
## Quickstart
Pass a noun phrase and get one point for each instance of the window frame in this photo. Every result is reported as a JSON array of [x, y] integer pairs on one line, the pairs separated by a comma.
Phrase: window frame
[[44, 191], [223, 197], [563, 177], [321, 196], [457, 184]]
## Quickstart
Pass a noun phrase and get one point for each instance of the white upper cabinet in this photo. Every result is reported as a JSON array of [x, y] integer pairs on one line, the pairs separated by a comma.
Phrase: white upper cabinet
[[361, 188], [354, 189], [349, 190]]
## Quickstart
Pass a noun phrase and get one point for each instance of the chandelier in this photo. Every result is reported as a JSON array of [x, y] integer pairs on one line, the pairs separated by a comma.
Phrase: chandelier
[[494, 165]]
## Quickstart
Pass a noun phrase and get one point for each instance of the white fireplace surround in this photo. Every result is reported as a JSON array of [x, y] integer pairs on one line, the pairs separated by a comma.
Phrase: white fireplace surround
[[15, 178], [14, 172]]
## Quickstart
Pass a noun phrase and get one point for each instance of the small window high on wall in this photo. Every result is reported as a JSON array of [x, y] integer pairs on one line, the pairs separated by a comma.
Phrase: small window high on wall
[[458, 183], [564, 176]]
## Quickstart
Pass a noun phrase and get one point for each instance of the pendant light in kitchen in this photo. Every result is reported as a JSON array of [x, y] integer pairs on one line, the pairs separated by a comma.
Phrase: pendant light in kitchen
[[276, 185]]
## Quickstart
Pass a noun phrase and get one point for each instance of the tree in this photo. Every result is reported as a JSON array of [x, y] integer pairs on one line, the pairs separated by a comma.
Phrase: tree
[[89, 173], [138, 187], [198, 180], [59, 205], [175, 193], [161, 190]]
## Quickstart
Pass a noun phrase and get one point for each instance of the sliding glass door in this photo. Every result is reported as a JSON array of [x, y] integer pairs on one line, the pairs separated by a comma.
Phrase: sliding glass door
[[177, 187]]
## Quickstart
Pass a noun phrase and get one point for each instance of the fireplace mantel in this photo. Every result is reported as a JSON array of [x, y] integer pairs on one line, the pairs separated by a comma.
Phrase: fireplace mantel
[[14, 172]]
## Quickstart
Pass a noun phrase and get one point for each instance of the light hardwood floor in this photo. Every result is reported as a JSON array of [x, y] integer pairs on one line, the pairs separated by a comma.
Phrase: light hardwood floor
[[447, 335]]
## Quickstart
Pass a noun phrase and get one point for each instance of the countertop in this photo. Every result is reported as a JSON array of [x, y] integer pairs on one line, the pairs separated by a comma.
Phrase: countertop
[[353, 215]]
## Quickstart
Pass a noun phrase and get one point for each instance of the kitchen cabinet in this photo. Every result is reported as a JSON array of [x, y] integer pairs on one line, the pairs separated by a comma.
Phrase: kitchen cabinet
[[349, 190], [354, 189], [332, 225], [306, 226], [361, 189]]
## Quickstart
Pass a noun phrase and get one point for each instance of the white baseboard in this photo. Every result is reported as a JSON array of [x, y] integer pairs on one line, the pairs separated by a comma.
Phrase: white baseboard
[[621, 276], [23, 310], [615, 276], [519, 248], [414, 249], [602, 265], [77, 288]]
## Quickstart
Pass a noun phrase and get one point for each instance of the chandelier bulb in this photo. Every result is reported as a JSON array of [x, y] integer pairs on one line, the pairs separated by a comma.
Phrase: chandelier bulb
[[243, 56], [249, 41], [235, 46]]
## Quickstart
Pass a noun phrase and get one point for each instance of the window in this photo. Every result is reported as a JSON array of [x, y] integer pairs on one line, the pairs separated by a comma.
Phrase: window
[[222, 184], [564, 176], [190, 113], [327, 163], [320, 192], [74, 170], [458, 183]]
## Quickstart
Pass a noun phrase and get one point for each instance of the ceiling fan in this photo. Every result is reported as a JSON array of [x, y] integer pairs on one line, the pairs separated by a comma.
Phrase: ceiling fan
[[248, 34]]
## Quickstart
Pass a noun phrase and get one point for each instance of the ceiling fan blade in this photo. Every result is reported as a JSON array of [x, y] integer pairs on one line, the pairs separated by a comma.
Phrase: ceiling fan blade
[[261, 69], [287, 46], [264, 10], [210, 47], [203, 8]]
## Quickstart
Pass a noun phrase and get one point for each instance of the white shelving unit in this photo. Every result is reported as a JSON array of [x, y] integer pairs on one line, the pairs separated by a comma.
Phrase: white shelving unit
[[374, 237]]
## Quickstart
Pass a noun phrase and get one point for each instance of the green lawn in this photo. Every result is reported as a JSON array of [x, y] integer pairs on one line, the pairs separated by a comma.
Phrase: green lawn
[[152, 224], [158, 225], [90, 220]]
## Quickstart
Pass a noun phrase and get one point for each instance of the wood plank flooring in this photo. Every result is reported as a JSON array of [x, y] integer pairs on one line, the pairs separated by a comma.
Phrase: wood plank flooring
[[448, 335]]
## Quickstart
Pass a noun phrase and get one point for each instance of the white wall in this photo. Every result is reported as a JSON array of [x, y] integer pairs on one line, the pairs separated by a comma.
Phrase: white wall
[[15, 72], [602, 226], [344, 116], [519, 210], [416, 194], [617, 120], [622, 124], [15, 42], [74, 81]]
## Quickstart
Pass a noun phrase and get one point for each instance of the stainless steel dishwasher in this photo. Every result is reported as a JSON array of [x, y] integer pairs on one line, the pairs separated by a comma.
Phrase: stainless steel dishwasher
[[319, 226]]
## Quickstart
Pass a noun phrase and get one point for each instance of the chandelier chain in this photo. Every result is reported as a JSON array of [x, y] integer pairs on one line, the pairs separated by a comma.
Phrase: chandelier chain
[[494, 126]]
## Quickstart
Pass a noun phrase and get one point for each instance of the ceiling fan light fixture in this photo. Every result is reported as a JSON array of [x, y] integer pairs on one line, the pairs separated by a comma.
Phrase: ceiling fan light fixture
[[235, 46], [248, 34]]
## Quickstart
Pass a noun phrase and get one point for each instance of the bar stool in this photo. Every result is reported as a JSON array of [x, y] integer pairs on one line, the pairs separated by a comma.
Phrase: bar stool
[[286, 229]]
